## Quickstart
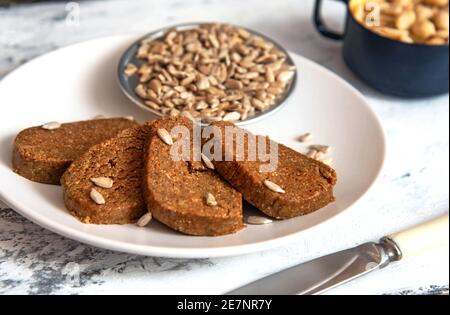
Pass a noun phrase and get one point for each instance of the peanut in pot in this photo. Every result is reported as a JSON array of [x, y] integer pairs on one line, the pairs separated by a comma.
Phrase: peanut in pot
[[405, 20], [442, 34], [392, 33], [359, 13], [405, 4], [424, 12], [436, 41], [392, 9], [424, 29], [439, 3], [407, 39], [441, 20]]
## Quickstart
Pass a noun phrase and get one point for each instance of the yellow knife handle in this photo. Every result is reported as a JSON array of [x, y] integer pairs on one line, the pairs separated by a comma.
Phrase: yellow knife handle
[[421, 238]]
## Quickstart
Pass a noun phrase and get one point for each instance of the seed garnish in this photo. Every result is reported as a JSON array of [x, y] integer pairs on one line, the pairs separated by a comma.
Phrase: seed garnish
[[97, 197], [51, 125], [207, 162], [165, 136], [257, 220], [274, 187], [211, 200], [144, 220], [327, 161], [103, 182]]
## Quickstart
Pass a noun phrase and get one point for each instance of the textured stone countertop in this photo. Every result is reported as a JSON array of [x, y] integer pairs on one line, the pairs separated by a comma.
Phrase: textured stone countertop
[[414, 186]]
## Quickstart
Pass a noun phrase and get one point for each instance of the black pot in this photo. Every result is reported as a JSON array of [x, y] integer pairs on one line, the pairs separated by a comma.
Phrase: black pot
[[392, 67]]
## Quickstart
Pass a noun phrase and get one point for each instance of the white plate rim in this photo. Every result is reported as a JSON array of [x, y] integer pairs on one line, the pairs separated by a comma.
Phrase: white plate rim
[[180, 252]]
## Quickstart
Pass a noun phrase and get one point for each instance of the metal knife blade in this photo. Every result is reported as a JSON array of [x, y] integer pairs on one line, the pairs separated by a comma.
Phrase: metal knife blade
[[321, 274]]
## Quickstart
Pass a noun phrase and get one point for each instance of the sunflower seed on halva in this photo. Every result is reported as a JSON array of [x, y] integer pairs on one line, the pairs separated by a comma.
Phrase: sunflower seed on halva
[[274, 187], [97, 197], [319, 156], [103, 182], [211, 200], [51, 125], [207, 162], [328, 161], [311, 154], [165, 136], [144, 220], [257, 220]]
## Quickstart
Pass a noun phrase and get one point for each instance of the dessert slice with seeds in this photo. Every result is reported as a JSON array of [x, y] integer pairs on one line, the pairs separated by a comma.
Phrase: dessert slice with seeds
[[297, 184], [187, 198], [43, 153], [104, 185]]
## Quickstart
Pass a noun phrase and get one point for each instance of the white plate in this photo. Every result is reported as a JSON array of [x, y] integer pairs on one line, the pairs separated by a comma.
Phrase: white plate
[[79, 82]]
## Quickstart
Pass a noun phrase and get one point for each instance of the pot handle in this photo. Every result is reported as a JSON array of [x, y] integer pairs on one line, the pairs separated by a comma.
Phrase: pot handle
[[320, 25]]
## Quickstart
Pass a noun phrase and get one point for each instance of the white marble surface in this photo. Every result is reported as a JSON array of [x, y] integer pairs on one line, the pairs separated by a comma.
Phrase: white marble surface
[[414, 186]]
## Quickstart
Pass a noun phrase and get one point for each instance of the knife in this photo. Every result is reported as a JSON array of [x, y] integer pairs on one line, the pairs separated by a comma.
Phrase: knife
[[327, 272]]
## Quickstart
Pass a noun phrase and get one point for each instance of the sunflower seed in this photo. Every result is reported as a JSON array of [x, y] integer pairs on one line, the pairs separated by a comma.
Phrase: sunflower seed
[[211, 119], [285, 76], [311, 154], [152, 105], [234, 84], [201, 105], [270, 76], [305, 137], [103, 182], [274, 187], [174, 113], [203, 83], [207, 162], [144, 220], [319, 156], [258, 104], [97, 197], [141, 91], [186, 95], [211, 200], [130, 118], [51, 125], [233, 116], [328, 161], [187, 114], [155, 86], [256, 220], [130, 70], [165, 136], [321, 148], [188, 80]]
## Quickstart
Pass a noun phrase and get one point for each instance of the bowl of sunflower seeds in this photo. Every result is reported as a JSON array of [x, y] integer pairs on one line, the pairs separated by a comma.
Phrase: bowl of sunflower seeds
[[208, 72]]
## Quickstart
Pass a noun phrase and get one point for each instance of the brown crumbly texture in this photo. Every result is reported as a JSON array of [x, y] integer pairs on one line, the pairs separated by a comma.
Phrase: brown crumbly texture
[[308, 183], [43, 155], [119, 158], [175, 191]]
